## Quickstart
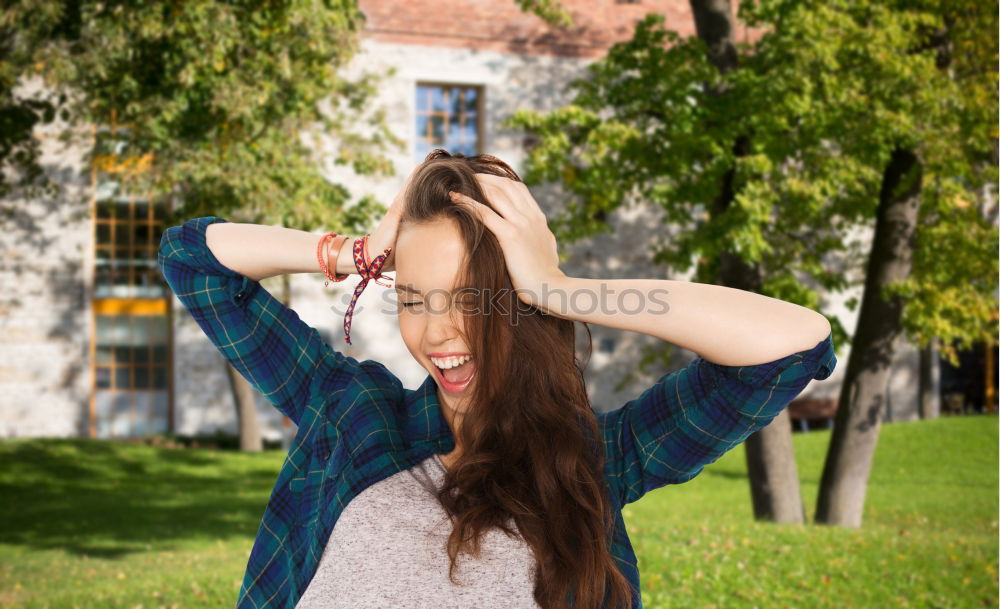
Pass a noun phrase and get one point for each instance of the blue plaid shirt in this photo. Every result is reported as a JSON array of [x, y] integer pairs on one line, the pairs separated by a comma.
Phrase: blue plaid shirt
[[358, 425]]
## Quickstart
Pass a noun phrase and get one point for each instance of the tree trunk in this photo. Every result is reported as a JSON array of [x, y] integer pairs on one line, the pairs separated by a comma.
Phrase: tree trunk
[[774, 481], [770, 454], [246, 411], [863, 393], [713, 22], [930, 381], [774, 476]]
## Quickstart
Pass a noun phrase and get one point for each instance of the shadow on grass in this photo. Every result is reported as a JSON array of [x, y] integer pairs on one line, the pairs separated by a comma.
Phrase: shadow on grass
[[729, 474], [108, 499]]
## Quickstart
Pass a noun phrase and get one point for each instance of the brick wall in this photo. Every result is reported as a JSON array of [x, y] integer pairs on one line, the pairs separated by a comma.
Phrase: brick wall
[[502, 26]]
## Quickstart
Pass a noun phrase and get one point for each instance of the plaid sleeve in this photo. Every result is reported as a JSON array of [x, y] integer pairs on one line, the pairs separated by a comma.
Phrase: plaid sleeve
[[278, 353], [693, 416]]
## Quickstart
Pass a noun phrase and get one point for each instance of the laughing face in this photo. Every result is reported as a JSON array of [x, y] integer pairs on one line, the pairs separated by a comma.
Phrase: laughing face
[[428, 259]]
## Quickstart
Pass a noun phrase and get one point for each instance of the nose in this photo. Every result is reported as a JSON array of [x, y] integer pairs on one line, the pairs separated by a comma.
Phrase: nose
[[442, 324]]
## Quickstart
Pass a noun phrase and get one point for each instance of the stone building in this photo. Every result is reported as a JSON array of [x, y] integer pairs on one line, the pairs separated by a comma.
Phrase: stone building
[[94, 346]]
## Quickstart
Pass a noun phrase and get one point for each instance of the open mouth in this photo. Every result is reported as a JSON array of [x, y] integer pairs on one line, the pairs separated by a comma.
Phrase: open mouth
[[457, 377]]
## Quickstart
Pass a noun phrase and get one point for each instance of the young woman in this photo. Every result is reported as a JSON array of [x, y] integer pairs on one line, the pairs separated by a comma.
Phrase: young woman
[[493, 484]]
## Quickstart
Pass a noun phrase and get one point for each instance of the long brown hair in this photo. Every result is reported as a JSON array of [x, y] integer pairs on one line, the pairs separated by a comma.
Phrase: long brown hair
[[530, 448]]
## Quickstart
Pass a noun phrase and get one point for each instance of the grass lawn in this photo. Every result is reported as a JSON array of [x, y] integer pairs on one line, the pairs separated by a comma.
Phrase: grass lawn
[[97, 524]]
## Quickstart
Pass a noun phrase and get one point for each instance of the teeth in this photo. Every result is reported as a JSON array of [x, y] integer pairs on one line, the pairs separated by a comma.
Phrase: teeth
[[450, 362]]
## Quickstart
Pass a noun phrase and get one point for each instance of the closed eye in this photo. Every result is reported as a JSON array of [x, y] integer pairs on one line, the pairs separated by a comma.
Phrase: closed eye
[[409, 304]]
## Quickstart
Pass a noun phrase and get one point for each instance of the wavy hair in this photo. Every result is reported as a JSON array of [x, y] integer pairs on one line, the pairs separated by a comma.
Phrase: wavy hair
[[522, 458]]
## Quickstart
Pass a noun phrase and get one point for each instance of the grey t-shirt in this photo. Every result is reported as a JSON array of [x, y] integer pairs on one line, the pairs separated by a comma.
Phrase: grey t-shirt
[[388, 549]]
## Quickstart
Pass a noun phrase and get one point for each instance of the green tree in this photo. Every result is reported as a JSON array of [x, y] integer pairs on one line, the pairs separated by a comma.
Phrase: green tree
[[217, 99], [550, 11], [840, 116]]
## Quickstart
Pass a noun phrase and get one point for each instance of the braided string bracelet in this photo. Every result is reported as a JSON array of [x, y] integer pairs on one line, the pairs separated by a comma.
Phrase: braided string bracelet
[[369, 269]]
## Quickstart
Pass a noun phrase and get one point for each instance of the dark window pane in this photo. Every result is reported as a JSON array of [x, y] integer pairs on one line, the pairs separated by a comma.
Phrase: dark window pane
[[122, 378], [142, 377], [159, 377], [160, 354], [103, 232], [122, 234], [141, 355], [141, 211], [105, 209], [123, 354], [141, 234]]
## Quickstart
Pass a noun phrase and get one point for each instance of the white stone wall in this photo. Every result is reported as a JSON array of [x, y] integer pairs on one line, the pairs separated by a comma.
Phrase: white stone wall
[[44, 307]]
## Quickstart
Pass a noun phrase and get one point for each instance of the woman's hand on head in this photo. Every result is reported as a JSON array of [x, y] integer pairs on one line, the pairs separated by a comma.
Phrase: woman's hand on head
[[385, 233], [529, 247]]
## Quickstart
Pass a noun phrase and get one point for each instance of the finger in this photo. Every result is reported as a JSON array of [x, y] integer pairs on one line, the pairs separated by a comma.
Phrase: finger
[[511, 190], [493, 221], [500, 195]]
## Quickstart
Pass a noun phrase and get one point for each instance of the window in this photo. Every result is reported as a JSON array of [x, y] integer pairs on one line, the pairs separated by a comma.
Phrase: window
[[127, 228], [130, 344], [449, 117], [131, 351]]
